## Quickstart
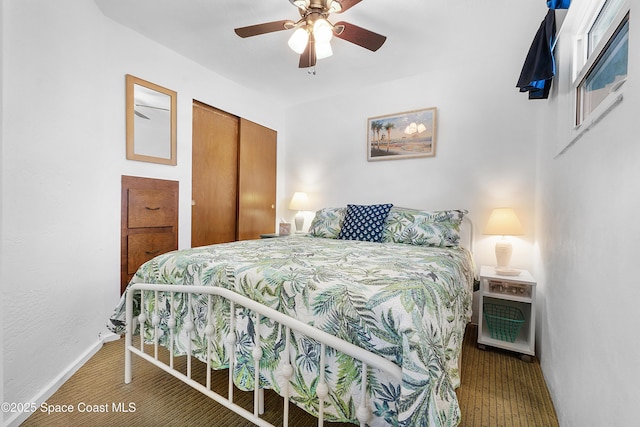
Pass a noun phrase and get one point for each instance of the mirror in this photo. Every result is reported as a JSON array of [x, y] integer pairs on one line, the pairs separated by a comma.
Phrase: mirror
[[151, 122]]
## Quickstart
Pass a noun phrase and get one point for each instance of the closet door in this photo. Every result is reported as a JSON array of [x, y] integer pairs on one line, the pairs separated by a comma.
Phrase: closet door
[[214, 176], [256, 180]]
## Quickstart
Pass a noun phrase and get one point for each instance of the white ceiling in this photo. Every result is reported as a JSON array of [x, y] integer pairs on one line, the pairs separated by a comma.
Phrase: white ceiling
[[418, 33]]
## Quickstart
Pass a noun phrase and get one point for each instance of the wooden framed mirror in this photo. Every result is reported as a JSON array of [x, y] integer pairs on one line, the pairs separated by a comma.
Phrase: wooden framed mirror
[[151, 122]]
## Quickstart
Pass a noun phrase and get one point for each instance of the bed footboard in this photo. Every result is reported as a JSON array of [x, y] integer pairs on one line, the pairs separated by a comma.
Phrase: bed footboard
[[368, 359]]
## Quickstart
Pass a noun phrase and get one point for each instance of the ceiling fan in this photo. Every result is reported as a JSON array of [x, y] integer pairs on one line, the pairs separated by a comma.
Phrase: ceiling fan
[[142, 116], [313, 32]]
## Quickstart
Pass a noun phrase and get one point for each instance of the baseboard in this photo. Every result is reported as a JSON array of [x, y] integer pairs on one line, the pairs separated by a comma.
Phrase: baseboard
[[110, 337], [17, 418]]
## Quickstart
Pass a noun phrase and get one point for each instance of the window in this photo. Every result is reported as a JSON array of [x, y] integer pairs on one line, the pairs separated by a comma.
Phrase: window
[[601, 58], [606, 76], [602, 22]]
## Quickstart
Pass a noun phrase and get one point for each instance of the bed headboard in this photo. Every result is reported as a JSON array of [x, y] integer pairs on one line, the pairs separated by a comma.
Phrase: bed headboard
[[467, 236]]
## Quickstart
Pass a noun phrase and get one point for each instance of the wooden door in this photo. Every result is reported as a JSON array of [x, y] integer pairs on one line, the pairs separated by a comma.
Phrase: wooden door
[[214, 176], [256, 180]]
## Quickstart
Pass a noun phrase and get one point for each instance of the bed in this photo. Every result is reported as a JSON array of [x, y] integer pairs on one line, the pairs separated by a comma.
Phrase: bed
[[391, 281]]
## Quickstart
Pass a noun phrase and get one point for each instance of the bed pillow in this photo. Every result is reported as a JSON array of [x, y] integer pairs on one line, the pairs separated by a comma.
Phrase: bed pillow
[[364, 222], [425, 228], [327, 222]]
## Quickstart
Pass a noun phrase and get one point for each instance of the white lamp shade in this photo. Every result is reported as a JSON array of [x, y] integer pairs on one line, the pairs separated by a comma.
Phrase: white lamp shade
[[299, 201], [503, 222], [298, 40]]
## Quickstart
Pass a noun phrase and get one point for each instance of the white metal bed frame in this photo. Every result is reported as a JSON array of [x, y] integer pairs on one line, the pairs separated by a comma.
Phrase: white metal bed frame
[[367, 358]]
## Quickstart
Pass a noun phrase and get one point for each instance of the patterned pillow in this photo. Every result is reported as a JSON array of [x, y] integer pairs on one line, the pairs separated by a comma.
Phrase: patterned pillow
[[364, 222], [327, 222], [415, 227]]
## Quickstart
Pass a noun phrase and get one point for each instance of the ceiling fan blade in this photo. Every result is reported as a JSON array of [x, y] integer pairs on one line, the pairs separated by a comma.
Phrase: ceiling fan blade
[[347, 4], [151, 106], [360, 36], [308, 57], [139, 114], [267, 27]]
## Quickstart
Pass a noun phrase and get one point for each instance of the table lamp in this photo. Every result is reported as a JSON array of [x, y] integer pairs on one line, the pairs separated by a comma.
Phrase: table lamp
[[299, 202], [504, 222]]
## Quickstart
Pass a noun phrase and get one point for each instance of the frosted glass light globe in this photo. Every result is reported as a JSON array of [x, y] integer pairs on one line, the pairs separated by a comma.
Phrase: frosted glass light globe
[[298, 40], [322, 31]]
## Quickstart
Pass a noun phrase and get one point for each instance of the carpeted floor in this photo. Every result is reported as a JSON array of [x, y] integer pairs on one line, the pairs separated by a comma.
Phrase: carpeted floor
[[498, 389]]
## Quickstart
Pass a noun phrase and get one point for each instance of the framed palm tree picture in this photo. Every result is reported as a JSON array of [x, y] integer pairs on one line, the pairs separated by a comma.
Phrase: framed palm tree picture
[[402, 135]]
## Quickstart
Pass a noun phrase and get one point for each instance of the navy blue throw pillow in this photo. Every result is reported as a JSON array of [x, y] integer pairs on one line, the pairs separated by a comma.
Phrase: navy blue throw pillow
[[364, 222]]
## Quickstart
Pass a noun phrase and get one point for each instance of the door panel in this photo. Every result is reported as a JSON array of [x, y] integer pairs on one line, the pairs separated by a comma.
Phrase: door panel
[[214, 176], [257, 180]]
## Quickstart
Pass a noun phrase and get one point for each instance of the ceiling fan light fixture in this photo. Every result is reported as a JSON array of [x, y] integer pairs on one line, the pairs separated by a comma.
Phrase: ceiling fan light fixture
[[312, 33], [302, 4], [323, 50], [334, 6], [322, 30], [298, 40]]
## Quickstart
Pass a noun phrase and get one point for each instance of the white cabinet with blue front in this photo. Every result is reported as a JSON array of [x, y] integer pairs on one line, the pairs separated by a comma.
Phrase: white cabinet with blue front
[[507, 317]]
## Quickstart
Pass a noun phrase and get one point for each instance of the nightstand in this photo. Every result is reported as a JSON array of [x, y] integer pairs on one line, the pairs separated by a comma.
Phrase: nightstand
[[507, 317]]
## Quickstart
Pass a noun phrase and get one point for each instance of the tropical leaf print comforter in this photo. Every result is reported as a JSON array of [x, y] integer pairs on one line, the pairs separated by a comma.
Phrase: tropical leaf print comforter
[[407, 303]]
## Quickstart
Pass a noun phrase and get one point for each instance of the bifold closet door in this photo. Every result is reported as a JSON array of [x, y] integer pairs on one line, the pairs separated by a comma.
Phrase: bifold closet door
[[214, 176]]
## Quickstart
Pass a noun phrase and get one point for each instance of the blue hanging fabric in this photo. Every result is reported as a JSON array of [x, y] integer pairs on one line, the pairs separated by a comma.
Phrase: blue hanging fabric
[[539, 66], [558, 4]]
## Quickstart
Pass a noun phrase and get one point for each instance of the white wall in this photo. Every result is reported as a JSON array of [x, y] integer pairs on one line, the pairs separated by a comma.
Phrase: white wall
[[587, 245], [485, 154], [63, 153]]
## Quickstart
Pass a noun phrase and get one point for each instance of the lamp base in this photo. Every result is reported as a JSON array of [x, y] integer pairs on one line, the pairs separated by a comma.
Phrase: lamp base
[[299, 222], [502, 271], [503, 253]]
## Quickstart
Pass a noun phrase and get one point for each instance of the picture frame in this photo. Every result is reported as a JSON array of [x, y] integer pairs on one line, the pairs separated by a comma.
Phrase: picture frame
[[405, 135], [284, 229]]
